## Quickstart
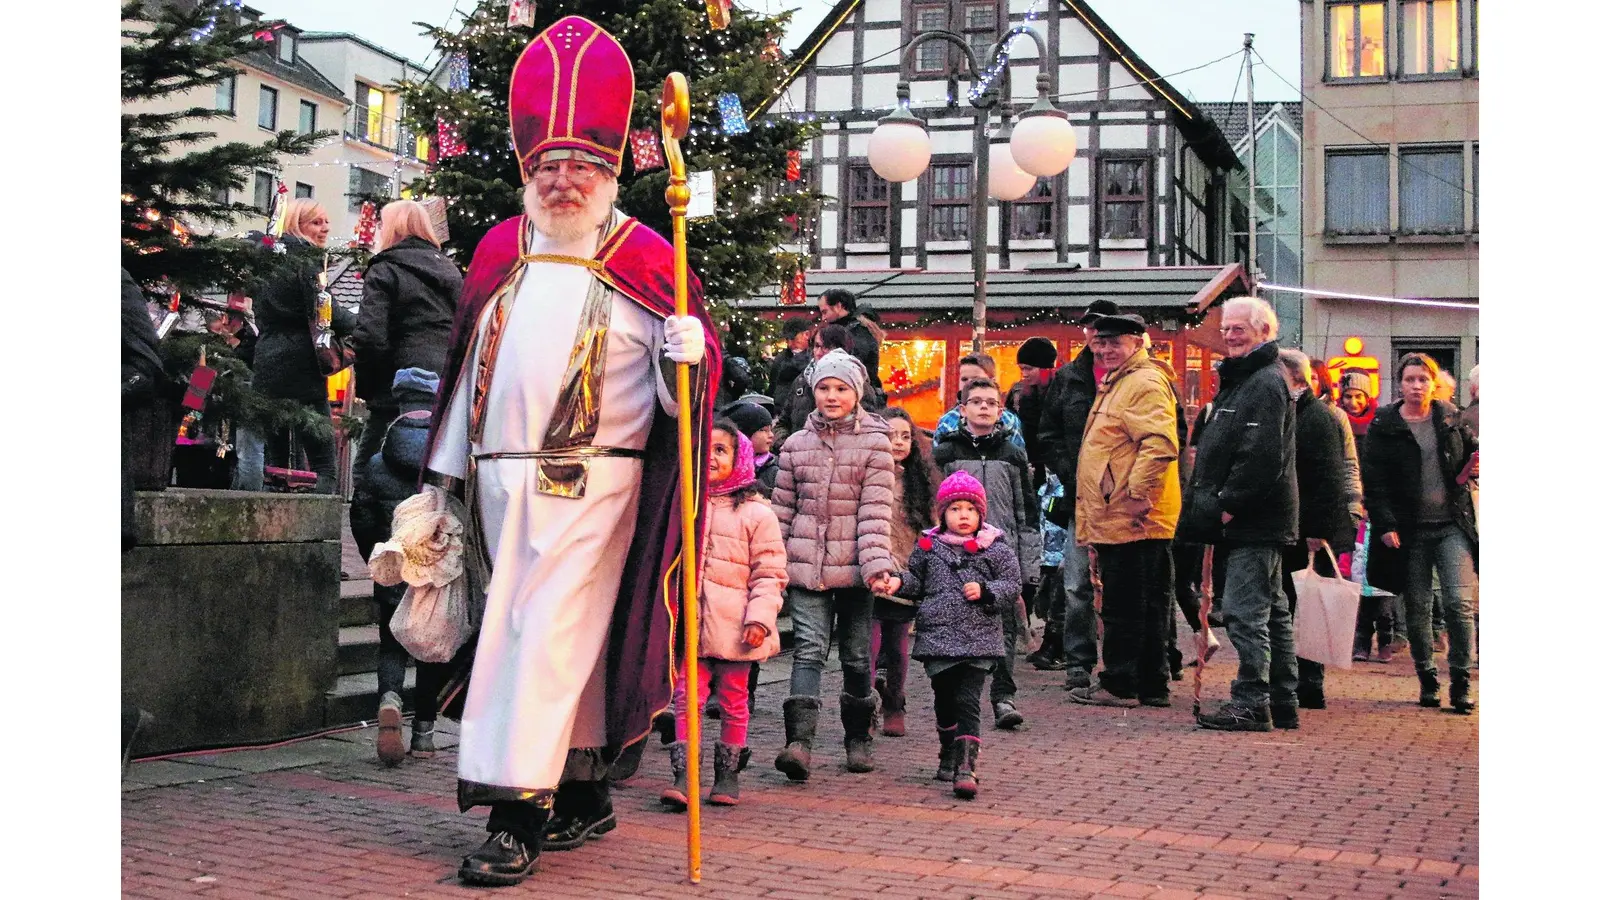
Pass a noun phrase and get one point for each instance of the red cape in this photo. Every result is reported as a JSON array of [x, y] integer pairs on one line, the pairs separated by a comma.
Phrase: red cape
[[638, 262]]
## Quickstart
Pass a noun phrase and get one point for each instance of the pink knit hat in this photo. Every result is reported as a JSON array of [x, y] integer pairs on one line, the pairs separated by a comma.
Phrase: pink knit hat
[[961, 486]]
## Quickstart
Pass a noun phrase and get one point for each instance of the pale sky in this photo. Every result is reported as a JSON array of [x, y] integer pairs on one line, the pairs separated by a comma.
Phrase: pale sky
[[1168, 34]]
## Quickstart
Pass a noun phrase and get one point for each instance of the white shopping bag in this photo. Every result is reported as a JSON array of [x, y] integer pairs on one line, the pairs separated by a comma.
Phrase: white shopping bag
[[1325, 616]]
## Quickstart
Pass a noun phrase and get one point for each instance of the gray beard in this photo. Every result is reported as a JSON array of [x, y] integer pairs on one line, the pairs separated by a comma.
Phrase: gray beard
[[566, 228]]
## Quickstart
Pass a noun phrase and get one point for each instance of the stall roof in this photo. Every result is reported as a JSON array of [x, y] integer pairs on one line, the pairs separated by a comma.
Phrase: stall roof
[[1191, 289]]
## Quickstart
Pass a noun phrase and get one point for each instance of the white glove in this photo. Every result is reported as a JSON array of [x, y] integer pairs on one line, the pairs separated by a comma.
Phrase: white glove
[[685, 340]]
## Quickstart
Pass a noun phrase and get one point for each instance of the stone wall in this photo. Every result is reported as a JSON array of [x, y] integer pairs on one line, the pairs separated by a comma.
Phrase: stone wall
[[230, 608]]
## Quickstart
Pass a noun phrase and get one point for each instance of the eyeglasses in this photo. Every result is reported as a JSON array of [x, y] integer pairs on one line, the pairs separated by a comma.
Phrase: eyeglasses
[[577, 172], [983, 402]]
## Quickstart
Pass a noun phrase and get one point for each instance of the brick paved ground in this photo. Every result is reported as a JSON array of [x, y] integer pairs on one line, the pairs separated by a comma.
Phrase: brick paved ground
[[1374, 797]]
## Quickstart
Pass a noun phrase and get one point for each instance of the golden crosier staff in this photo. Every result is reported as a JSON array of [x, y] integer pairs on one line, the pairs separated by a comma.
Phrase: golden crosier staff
[[674, 127]]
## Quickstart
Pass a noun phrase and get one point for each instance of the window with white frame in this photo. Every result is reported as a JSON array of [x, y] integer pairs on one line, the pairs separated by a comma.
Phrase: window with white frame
[[1431, 192], [978, 19], [1356, 188], [975, 20], [1124, 198], [227, 88], [949, 201], [1430, 37], [1033, 216], [931, 55], [1357, 40], [267, 114], [867, 213]]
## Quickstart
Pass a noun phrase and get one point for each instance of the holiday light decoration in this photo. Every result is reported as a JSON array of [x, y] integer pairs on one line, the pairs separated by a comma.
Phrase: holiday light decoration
[[732, 110], [520, 12], [646, 149], [459, 73], [720, 13], [792, 170], [367, 225], [450, 142]]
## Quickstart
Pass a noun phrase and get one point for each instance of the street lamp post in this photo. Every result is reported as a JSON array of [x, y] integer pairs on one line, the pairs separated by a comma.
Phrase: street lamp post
[[1042, 144]]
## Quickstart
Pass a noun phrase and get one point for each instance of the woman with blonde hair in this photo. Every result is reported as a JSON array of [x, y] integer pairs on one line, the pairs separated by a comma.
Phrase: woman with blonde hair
[[408, 303], [285, 361]]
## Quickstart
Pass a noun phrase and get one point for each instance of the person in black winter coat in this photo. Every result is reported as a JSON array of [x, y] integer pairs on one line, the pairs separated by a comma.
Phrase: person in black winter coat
[[1062, 419], [792, 360], [838, 307], [143, 380], [285, 364], [1036, 359], [1419, 465], [408, 304], [1326, 496], [1243, 498]]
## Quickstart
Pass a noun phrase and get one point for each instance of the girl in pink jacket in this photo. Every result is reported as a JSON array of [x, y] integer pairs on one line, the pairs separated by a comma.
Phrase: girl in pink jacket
[[742, 579]]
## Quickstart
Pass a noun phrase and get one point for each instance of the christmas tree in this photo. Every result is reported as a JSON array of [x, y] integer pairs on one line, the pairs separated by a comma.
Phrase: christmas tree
[[735, 252], [168, 186]]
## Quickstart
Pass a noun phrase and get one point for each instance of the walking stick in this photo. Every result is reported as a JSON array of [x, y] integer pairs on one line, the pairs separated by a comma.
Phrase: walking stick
[[1202, 638], [674, 126]]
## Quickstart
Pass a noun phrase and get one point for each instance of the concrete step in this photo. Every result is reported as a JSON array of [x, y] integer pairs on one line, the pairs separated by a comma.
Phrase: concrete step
[[356, 606], [358, 649], [354, 698]]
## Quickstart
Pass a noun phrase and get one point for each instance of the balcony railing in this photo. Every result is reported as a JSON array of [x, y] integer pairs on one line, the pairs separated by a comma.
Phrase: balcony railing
[[370, 126]]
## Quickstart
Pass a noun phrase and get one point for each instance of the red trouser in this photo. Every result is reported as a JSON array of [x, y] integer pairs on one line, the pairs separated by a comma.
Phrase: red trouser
[[732, 682]]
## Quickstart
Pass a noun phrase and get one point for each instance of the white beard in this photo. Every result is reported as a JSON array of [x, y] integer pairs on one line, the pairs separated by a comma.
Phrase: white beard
[[566, 226]]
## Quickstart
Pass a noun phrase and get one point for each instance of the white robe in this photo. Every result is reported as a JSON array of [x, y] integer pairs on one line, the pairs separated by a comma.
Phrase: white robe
[[538, 679]]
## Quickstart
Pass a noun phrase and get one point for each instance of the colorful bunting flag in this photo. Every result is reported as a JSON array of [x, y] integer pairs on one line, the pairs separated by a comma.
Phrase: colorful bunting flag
[[720, 12], [450, 142], [732, 114], [520, 13], [792, 173], [647, 153]]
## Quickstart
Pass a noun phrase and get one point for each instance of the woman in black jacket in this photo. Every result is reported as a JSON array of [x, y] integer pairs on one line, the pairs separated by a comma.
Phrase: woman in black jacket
[[408, 304], [1417, 464], [285, 361]]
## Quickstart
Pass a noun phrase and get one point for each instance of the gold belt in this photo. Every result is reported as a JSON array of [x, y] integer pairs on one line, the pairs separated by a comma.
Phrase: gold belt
[[564, 453]]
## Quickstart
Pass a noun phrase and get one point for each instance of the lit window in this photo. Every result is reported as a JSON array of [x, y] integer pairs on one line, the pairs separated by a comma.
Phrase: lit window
[[1356, 40], [1430, 37]]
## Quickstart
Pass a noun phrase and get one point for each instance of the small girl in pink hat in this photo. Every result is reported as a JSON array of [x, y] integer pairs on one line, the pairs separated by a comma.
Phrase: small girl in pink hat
[[962, 573]]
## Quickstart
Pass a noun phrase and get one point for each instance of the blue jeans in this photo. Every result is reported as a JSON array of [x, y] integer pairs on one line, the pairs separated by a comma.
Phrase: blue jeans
[[1441, 550], [250, 453], [813, 614], [1078, 626], [1261, 627]]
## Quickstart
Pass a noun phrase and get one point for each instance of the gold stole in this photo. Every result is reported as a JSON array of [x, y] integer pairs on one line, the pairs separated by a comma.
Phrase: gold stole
[[562, 462]]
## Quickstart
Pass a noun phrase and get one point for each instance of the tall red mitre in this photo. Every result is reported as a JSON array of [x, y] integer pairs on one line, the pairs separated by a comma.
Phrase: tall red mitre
[[571, 90]]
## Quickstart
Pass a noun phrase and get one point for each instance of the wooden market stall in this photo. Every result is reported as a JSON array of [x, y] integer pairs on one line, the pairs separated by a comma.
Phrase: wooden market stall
[[927, 319]]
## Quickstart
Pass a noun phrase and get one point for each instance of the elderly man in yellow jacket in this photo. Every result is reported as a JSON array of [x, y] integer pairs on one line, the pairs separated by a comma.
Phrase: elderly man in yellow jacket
[[1127, 511]]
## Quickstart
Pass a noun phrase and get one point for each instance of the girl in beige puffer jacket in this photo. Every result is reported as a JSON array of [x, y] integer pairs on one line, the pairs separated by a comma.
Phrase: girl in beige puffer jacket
[[834, 498], [743, 574]]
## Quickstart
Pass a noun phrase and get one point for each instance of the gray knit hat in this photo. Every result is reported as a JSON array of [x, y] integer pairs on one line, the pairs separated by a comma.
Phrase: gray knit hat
[[1356, 380], [841, 365]]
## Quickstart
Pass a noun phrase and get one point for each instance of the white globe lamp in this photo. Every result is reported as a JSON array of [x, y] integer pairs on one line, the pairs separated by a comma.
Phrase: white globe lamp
[[1007, 181], [899, 148], [1043, 142]]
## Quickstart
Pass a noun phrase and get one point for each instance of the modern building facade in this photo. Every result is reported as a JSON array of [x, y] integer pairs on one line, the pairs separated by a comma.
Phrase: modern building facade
[[1278, 198], [1391, 178]]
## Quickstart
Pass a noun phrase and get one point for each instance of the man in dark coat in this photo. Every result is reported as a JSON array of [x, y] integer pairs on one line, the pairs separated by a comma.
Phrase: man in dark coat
[[792, 360], [838, 307], [1036, 360], [1243, 499], [1062, 419], [1326, 498]]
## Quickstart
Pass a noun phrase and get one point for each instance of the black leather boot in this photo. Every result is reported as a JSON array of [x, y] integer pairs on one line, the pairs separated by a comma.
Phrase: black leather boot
[[512, 850], [799, 728], [1430, 689], [725, 791], [582, 812], [856, 714], [1461, 693], [947, 755]]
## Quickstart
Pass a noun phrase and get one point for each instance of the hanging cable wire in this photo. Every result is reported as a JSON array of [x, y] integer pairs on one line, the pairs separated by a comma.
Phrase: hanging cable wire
[[1383, 146], [1235, 95]]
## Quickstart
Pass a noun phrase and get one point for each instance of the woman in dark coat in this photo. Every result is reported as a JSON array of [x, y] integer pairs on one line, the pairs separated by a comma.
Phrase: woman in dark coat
[[285, 361], [408, 304], [1418, 464]]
